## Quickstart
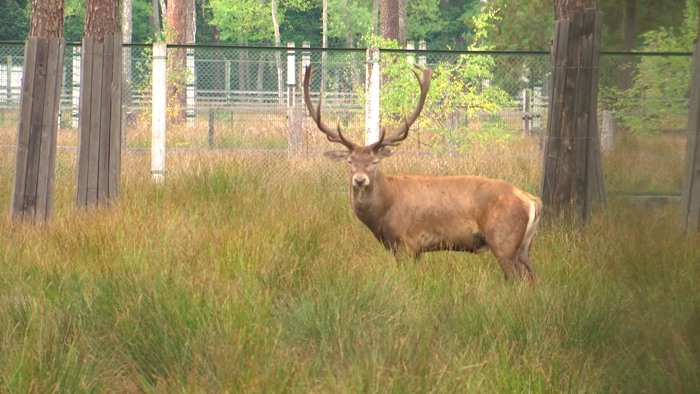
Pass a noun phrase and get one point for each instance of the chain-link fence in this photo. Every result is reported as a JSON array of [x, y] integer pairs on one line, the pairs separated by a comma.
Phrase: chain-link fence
[[246, 100]]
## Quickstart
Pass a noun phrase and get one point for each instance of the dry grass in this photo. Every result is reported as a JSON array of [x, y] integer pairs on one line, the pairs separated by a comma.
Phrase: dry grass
[[248, 273]]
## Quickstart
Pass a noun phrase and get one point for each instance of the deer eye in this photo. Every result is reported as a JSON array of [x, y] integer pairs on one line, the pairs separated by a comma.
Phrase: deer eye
[[375, 161]]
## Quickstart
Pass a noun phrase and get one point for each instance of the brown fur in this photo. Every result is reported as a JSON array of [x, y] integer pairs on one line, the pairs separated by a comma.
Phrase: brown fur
[[425, 213]]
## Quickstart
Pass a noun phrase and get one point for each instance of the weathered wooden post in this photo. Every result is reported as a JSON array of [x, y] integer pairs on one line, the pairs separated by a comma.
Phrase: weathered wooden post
[[99, 123], [372, 82], [99, 142], [35, 158], [573, 175], [690, 195], [159, 98]]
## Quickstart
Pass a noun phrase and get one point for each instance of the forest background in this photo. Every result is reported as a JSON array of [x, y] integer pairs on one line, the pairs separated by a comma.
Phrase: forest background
[[444, 24]]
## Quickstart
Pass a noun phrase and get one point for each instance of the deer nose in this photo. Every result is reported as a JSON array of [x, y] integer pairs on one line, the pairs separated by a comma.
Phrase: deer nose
[[359, 180]]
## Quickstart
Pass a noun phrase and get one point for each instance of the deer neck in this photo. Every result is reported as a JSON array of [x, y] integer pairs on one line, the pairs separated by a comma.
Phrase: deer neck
[[372, 202]]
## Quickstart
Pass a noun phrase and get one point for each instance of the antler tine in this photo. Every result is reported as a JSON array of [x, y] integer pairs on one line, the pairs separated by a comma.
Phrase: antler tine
[[402, 132], [316, 114]]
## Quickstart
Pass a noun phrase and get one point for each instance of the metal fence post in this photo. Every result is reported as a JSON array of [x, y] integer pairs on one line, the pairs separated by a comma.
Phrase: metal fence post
[[293, 139], [372, 83], [191, 83], [9, 77], [75, 91], [421, 47], [159, 104]]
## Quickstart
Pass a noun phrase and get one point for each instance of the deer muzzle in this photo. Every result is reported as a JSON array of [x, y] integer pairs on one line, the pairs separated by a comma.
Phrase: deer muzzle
[[360, 180]]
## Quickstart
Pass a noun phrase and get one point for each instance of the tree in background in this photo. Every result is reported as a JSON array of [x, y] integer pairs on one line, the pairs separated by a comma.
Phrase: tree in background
[[15, 20], [655, 104], [457, 91], [176, 33], [349, 21]]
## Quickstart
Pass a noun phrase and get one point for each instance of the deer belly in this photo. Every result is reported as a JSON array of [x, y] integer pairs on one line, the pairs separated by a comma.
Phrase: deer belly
[[473, 243]]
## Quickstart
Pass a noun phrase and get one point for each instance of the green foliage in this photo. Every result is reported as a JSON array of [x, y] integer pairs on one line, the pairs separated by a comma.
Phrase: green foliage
[[360, 19], [14, 19], [522, 25], [458, 89], [243, 21], [442, 23], [657, 101]]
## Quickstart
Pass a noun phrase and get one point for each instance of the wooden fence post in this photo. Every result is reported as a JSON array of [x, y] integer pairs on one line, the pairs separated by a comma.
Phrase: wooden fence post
[[35, 159], [372, 83], [100, 131], [572, 177], [690, 195], [159, 98]]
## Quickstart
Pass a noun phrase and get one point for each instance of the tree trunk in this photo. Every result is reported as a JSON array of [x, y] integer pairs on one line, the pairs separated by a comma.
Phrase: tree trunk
[[46, 20], [35, 155], [629, 15], [278, 58], [191, 22], [572, 176], [564, 9], [155, 17], [403, 9], [100, 120], [375, 16], [177, 72], [101, 19], [389, 17]]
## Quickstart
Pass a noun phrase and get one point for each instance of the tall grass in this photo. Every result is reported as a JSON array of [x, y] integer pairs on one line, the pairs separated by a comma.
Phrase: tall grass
[[250, 274]]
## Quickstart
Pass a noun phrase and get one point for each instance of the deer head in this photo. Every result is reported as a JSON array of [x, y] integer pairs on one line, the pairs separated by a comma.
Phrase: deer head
[[364, 160]]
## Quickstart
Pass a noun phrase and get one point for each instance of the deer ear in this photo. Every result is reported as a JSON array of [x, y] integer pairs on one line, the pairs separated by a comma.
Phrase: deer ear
[[384, 152], [337, 155]]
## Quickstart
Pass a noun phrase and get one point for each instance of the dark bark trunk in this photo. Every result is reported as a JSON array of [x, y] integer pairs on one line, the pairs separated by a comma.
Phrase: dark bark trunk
[[389, 17], [629, 15], [46, 20], [101, 19], [177, 70], [403, 9], [564, 9], [155, 17]]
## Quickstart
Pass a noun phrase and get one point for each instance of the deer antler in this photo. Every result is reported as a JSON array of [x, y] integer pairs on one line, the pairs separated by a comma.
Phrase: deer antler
[[402, 131], [316, 115]]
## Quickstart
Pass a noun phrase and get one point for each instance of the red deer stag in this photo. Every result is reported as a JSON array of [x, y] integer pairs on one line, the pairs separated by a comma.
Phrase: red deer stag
[[425, 213]]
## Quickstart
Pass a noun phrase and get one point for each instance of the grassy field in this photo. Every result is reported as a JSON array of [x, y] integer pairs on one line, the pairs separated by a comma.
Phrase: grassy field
[[251, 274]]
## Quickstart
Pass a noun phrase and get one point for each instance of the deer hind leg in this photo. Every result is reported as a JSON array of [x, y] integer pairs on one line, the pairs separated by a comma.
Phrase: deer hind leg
[[509, 235], [524, 250]]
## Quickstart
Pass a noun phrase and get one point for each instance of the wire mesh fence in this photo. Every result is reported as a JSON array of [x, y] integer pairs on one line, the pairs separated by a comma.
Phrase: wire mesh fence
[[246, 100]]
